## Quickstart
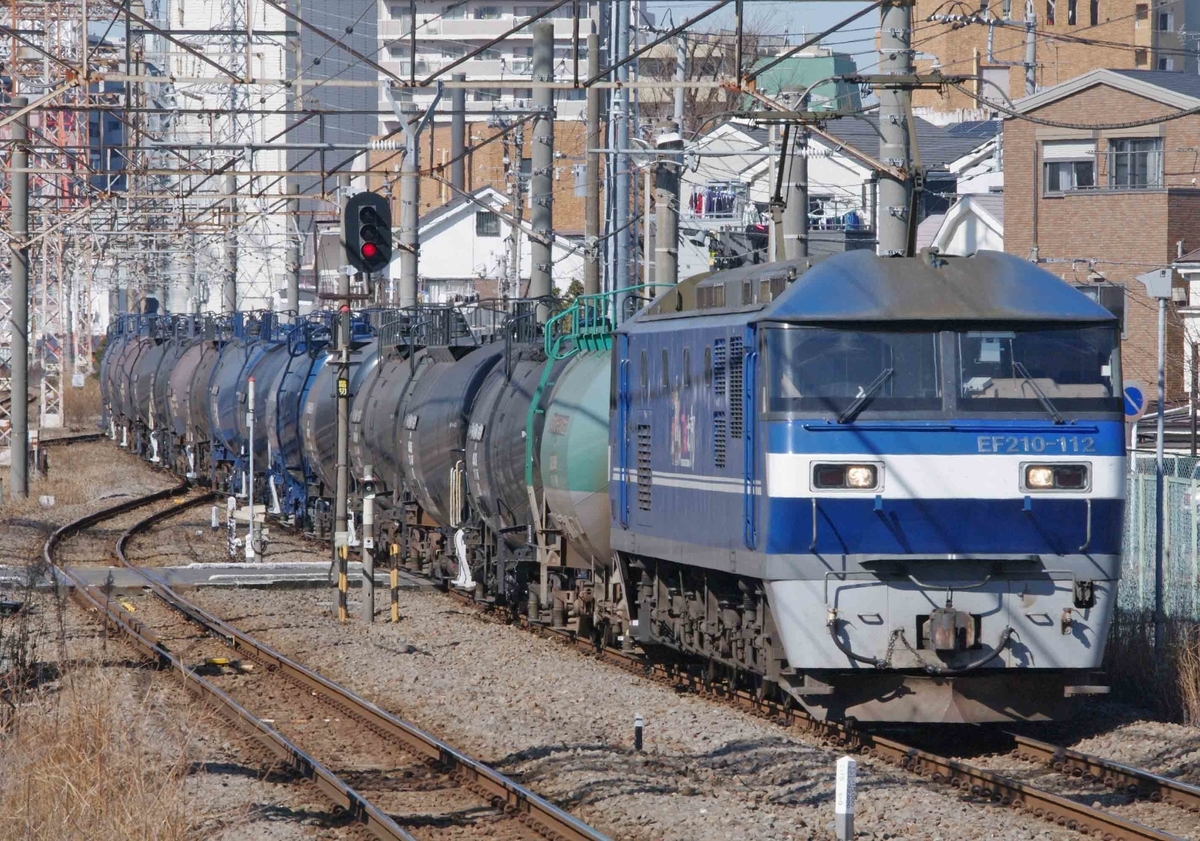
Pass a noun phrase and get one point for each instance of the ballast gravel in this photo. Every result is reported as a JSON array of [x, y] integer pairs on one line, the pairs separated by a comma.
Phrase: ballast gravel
[[562, 723]]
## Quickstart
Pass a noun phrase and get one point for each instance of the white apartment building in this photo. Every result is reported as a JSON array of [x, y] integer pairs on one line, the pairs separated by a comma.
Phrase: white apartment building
[[447, 30], [262, 230]]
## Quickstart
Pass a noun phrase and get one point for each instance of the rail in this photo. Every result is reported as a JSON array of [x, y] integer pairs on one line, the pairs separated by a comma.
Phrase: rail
[[332, 786], [1135, 781], [974, 781], [496, 787]]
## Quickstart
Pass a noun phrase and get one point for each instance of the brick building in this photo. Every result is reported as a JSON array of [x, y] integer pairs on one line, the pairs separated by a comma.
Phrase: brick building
[[485, 167], [1072, 38], [1099, 207]]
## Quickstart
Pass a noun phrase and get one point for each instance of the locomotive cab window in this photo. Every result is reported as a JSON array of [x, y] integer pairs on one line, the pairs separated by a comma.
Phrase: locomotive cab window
[[1042, 371], [819, 370]]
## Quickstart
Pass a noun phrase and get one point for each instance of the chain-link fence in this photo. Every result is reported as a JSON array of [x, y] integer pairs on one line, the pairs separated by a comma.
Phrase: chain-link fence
[[1181, 526]]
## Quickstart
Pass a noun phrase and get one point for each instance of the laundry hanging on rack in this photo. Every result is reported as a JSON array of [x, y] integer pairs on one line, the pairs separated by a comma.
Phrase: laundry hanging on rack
[[715, 201]]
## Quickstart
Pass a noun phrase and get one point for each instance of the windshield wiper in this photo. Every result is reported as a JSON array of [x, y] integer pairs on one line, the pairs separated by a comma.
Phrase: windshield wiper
[[1020, 368], [852, 411]]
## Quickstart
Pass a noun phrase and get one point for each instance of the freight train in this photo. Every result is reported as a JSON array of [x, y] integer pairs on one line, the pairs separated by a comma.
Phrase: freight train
[[887, 489]]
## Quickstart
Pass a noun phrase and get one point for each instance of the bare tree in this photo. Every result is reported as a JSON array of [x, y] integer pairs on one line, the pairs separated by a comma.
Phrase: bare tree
[[709, 56]]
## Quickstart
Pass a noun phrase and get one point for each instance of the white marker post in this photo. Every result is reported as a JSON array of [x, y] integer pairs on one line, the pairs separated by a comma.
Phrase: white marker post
[[251, 555], [843, 804]]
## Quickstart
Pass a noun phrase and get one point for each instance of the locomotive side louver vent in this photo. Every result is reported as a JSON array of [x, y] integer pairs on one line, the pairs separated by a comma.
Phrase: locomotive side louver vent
[[718, 439], [735, 387], [645, 477], [719, 367]]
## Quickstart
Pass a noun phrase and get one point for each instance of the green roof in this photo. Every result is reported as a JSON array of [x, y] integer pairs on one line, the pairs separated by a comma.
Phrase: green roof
[[800, 71]]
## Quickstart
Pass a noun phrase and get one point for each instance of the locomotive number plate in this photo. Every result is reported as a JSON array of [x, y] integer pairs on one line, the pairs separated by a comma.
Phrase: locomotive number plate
[[1065, 444]]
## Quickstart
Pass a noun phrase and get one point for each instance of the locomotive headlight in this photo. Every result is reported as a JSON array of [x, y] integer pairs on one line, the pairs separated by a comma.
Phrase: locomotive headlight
[[1039, 477], [1056, 477], [856, 477], [861, 476]]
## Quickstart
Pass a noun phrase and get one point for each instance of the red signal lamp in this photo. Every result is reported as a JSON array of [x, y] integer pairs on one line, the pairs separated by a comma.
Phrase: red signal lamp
[[369, 250]]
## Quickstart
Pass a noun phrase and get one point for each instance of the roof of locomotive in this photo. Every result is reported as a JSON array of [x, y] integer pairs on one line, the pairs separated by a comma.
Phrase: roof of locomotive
[[859, 286]]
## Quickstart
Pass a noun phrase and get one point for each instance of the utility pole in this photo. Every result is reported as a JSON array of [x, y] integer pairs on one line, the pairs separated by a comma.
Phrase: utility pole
[[458, 134], [1030, 49], [622, 116], [895, 207], [341, 541], [666, 202], [410, 199], [410, 192], [229, 286], [1158, 286], [514, 147], [1195, 390], [680, 77], [591, 220], [19, 390], [795, 212], [293, 254], [541, 186]]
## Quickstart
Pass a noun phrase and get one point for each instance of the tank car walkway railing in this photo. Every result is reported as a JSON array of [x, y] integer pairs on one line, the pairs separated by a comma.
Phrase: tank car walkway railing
[[587, 325]]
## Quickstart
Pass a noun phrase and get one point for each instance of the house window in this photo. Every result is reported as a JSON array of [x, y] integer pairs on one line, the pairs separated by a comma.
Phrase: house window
[[456, 11], [487, 224], [1166, 64], [1006, 9], [1111, 296], [1072, 7], [1068, 165], [1139, 58], [1166, 21], [1050, 12], [485, 96], [1094, 12], [487, 13], [1141, 15], [1135, 163]]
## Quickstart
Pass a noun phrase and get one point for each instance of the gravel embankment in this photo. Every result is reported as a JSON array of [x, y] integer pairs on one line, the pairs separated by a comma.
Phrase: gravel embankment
[[563, 724], [228, 791]]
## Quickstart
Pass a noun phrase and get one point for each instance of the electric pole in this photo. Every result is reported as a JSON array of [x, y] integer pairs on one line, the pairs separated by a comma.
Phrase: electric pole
[[541, 182], [591, 222], [622, 117], [229, 285], [895, 208], [458, 134], [341, 538], [293, 254], [19, 384]]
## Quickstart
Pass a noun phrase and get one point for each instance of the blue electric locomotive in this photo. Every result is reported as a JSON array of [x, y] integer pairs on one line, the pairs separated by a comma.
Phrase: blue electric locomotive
[[893, 487]]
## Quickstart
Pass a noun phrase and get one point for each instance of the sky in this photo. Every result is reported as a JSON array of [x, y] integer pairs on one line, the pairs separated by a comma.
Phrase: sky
[[791, 17]]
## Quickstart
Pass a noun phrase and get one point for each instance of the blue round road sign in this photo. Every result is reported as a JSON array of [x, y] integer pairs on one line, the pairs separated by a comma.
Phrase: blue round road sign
[[1135, 401]]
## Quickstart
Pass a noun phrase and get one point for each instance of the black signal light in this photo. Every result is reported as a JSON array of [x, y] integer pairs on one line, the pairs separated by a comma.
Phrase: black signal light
[[367, 232]]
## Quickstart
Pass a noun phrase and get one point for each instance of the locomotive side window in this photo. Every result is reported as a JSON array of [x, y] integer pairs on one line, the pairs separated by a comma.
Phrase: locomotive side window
[[1065, 369], [687, 367], [666, 372], [846, 372], [707, 367]]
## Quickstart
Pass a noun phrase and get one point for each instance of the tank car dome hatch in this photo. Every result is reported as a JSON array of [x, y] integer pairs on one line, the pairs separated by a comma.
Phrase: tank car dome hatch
[[990, 286]]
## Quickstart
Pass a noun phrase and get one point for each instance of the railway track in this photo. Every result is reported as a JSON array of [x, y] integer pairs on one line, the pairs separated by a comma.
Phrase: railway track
[[972, 780], [394, 778]]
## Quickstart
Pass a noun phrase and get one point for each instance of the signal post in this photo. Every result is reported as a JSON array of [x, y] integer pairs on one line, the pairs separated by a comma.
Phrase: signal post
[[367, 239]]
